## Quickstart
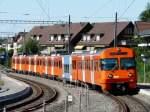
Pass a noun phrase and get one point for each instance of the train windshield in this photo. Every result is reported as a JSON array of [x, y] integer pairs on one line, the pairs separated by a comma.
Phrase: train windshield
[[127, 63], [109, 64]]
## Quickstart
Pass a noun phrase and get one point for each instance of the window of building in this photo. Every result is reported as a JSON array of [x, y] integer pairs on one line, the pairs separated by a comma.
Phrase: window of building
[[98, 37], [66, 37], [51, 37], [123, 42], [88, 38], [59, 37], [128, 31], [38, 37], [34, 37], [11, 46], [84, 37], [55, 37]]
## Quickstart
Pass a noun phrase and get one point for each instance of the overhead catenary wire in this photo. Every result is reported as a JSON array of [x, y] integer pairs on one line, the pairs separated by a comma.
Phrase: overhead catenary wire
[[43, 9], [100, 8], [127, 8], [104, 6]]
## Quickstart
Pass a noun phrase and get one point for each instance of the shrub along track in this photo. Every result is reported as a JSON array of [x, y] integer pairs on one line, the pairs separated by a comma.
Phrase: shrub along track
[[41, 93]]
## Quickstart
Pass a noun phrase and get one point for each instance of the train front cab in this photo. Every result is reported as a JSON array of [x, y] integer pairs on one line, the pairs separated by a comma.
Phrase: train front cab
[[118, 69]]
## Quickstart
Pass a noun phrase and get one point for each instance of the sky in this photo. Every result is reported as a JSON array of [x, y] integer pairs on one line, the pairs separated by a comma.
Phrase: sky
[[58, 10]]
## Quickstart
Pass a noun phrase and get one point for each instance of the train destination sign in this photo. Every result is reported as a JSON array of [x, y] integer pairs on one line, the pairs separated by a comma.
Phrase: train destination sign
[[118, 53]]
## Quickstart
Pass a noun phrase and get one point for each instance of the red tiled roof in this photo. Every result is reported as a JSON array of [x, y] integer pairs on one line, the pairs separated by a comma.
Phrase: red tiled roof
[[60, 29], [107, 28], [141, 26]]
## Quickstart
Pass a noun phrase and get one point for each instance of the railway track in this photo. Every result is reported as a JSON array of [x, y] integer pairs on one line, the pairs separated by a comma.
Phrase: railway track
[[134, 104], [41, 93], [126, 103], [123, 107]]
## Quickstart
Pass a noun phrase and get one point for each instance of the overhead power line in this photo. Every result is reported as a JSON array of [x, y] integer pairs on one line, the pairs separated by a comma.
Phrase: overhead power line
[[30, 22]]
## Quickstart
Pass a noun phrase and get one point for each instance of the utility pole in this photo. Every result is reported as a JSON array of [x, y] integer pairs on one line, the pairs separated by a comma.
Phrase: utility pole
[[69, 36], [115, 31], [23, 42]]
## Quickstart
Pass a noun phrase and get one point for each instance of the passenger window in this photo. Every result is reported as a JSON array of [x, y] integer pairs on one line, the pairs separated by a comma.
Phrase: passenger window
[[96, 65], [66, 68], [49, 62], [74, 64], [91, 63], [60, 64]]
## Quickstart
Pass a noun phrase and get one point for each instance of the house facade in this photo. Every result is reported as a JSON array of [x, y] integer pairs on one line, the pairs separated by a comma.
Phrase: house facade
[[82, 36], [102, 35], [142, 30]]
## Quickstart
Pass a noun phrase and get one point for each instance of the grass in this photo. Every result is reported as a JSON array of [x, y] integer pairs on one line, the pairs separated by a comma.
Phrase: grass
[[1, 82]]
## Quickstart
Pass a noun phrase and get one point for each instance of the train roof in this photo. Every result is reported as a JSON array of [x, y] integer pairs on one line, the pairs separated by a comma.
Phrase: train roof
[[88, 52]]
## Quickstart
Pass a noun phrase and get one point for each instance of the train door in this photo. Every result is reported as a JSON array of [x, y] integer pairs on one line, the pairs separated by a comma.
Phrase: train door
[[29, 70], [60, 67], [35, 64], [67, 67], [81, 68], [49, 66], [92, 69], [15, 63], [97, 77], [87, 69], [46, 66], [56, 66], [74, 68], [52, 66]]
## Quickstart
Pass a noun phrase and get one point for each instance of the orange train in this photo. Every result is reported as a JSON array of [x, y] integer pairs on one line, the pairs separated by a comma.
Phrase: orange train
[[111, 68]]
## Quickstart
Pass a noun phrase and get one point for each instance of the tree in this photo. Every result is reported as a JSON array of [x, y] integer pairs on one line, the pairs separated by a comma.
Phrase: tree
[[145, 15], [31, 46]]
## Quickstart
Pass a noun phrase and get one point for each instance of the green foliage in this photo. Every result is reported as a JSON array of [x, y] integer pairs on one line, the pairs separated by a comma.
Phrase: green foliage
[[31, 46], [145, 15], [10, 52], [140, 63], [2, 50], [1, 82], [20, 50]]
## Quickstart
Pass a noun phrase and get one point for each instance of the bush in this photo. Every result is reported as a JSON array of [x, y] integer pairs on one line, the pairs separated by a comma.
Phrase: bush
[[140, 64]]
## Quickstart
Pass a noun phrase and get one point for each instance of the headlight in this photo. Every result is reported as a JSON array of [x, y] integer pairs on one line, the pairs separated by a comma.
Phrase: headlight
[[130, 74], [110, 76]]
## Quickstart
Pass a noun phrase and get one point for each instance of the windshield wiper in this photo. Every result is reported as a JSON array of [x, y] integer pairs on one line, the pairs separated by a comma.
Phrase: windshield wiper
[[115, 67]]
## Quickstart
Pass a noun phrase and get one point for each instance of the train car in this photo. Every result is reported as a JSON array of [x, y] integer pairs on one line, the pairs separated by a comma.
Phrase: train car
[[111, 68], [66, 68], [117, 69], [13, 64]]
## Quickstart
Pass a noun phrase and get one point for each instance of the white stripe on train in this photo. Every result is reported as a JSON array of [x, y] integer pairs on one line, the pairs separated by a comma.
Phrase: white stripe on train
[[83, 69]]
